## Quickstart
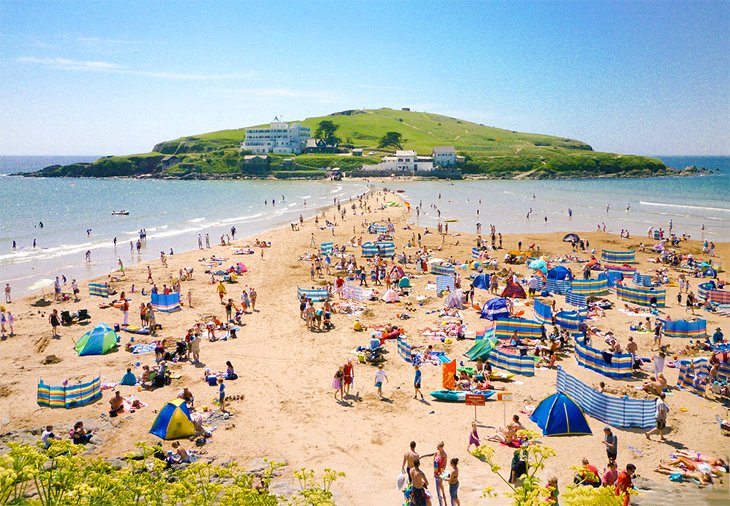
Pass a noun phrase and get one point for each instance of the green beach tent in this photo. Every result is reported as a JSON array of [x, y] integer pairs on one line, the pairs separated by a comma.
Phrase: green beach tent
[[98, 341]]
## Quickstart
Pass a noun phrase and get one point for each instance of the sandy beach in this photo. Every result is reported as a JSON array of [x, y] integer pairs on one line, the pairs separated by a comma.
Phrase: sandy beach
[[287, 411]]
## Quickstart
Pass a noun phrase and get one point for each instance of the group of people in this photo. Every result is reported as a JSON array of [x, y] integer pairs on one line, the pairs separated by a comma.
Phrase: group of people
[[417, 491]]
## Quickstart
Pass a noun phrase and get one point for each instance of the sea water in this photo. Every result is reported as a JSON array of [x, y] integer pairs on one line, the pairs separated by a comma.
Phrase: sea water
[[175, 212], [582, 205]]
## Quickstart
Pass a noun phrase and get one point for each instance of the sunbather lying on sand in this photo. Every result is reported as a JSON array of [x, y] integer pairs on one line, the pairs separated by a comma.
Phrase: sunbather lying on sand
[[703, 478], [699, 457], [506, 435], [693, 465]]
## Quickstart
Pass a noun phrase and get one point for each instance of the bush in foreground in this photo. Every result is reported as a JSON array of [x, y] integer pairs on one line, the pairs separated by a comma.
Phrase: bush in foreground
[[60, 476]]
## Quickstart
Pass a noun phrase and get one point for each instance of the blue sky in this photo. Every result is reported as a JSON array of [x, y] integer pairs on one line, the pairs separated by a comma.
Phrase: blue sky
[[102, 77]]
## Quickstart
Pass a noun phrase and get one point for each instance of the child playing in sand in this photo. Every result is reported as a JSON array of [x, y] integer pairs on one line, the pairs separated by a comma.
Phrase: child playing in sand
[[473, 437], [380, 376]]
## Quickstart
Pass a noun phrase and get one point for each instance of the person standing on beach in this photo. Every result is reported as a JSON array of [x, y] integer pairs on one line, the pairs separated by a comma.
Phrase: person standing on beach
[[200, 241], [473, 437], [439, 466], [454, 482], [125, 311], [420, 483], [657, 336], [610, 440], [11, 319], [380, 376], [207, 241], [221, 289], [338, 383], [417, 383], [662, 409], [349, 370], [7, 293], [409, 458], [222, 394], [624, 483], [55, 322]]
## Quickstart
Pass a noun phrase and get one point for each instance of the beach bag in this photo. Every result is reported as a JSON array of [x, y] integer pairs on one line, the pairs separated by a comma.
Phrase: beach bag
[[400, 481], [676, 477]]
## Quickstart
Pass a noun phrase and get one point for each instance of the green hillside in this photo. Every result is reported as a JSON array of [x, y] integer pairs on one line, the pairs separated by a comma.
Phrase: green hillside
[[487, 151], [421, 131]]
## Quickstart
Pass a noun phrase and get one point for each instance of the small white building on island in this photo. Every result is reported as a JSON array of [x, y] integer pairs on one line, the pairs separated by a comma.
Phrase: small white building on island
[[404, 161], [444, 156]]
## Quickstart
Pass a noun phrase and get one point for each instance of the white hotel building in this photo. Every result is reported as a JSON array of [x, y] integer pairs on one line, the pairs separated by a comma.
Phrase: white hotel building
[[281, 139]]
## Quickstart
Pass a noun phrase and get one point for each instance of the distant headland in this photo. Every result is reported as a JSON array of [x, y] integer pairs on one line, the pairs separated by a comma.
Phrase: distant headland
[[370, 143]]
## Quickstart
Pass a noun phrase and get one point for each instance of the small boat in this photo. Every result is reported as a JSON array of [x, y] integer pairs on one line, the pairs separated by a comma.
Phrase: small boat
[[458, 395], [120, 213], [400, 191]]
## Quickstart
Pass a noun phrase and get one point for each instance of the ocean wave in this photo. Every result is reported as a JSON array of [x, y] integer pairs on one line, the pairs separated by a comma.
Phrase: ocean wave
[[722, 209], [195, 220]]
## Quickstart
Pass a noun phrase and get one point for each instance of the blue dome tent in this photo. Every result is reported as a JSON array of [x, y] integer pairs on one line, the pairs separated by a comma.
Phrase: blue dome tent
[[495, 309], [559, 272], [558, 415], [481, 281], [173, 421]]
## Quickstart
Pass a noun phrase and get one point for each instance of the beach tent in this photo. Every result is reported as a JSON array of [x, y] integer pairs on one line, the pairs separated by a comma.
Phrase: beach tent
[[455, 299], [514, 291], [559, 272], [98, 341], [571, 238], [390, 295], [404, 282], [481, 281], [558, 415], [173, 421], [495, 309], [709, 272]]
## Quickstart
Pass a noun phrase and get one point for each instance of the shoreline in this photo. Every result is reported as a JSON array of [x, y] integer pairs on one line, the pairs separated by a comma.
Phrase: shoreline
[[288, 412]]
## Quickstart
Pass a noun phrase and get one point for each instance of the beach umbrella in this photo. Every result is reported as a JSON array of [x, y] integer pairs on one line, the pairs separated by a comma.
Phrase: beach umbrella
[[436, 261], [539, 265], [571, 238], [40, 285]]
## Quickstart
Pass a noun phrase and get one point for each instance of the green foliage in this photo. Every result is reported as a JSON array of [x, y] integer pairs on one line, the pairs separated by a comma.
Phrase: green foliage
[[391, 139], [528, 492], [326, 130], [60, 476]]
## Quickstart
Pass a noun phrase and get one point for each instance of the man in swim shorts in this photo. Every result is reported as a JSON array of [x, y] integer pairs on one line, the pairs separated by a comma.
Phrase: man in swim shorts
[[420, 483]]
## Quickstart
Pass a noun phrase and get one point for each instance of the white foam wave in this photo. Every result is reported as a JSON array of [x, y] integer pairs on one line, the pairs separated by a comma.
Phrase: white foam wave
[[682, 206], [195, 220]]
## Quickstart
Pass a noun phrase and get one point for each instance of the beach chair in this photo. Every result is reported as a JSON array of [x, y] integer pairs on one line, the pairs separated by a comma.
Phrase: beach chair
[[66, 318], [83, 315]]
